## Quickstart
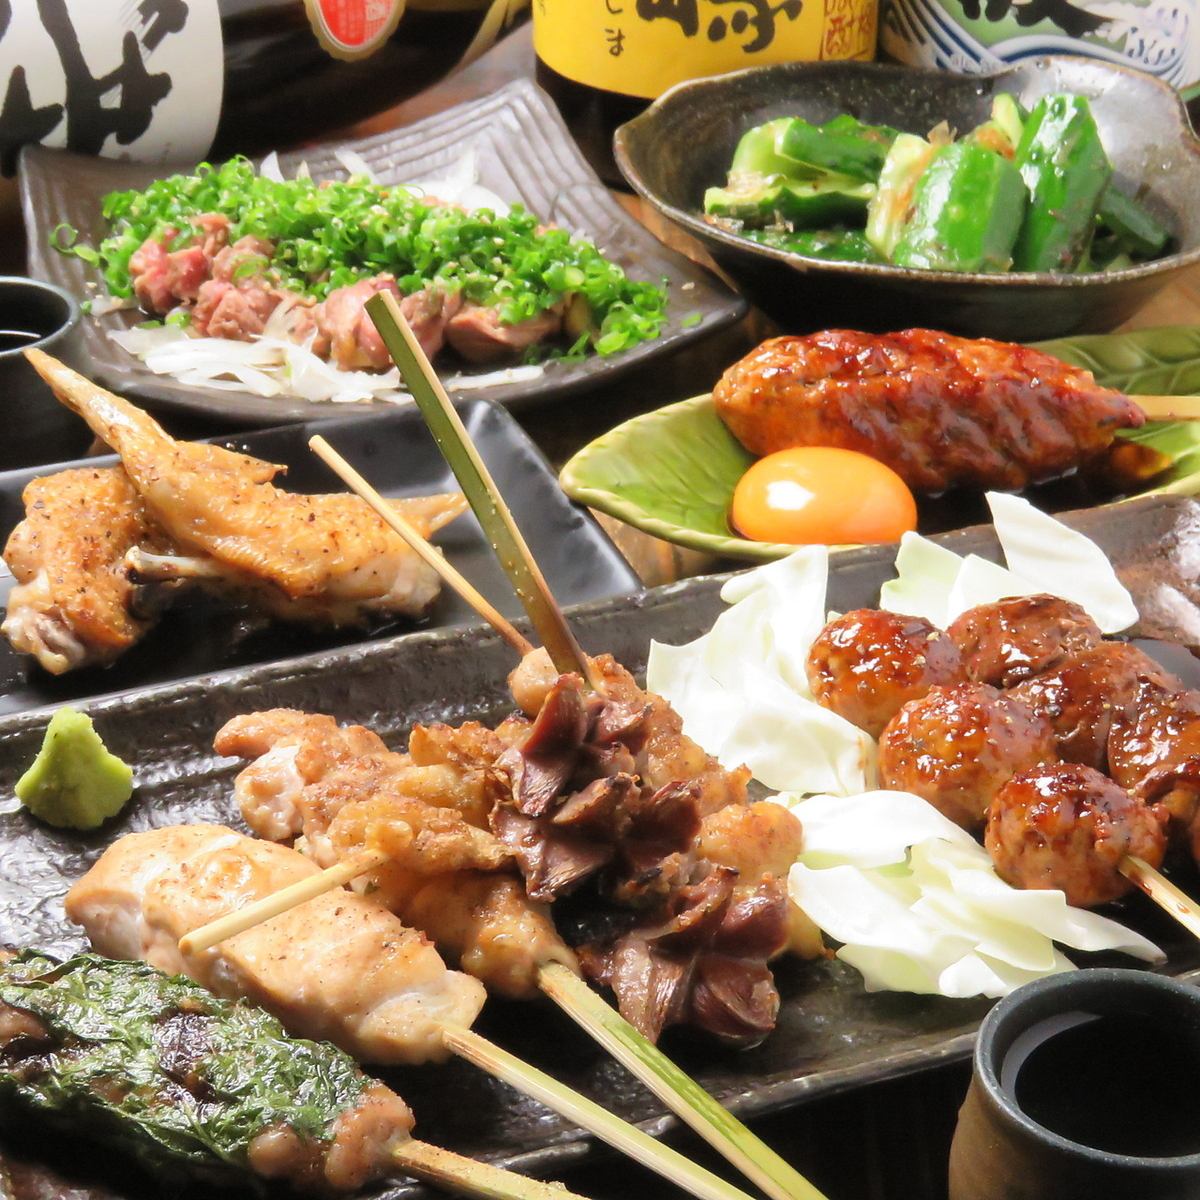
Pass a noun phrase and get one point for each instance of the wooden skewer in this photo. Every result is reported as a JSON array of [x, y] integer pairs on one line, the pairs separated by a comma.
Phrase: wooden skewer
[[479, 486], [719, 1127], [1169, 408], [467, 1044], [468, 1176], [1162, 891], [405, 528], [277, 903]]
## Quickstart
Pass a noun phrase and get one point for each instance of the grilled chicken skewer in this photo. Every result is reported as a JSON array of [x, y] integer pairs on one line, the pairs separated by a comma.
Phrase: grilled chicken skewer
[[942, 411], [213, 1084], [979, 754], [341, 968], [680, 1093]]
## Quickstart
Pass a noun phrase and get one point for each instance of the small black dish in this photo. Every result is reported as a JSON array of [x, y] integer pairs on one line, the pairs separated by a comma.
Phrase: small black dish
[[37, 428], [396, 452], [684, 142], [1132, 1125]]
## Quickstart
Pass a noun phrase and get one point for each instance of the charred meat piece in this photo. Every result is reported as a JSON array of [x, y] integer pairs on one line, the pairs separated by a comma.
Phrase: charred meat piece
[[1154, 750], [306, 771], [702, 962], [867, 664], [220, 1090], [74, 604], [959, 745], [1067, 826], [1004, 643], [666, 754], [1082, 696], [941, 411], [577, 805], [480, 336], [324, 559]]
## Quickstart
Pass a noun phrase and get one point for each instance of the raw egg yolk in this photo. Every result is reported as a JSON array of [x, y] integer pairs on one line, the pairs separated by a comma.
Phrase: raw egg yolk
[[822, 495]]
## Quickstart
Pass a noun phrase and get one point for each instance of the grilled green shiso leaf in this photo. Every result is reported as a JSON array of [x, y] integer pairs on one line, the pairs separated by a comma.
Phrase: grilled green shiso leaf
[[156, 1065], [330, 235]]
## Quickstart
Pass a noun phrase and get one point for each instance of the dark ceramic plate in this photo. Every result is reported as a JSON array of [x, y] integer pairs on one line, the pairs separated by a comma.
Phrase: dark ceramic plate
[[523, 153], [396, 452], [832, 1035], [684, 143]]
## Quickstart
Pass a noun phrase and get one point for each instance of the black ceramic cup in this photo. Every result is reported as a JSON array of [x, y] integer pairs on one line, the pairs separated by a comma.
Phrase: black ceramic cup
[[1117, 1151], [34, 427]]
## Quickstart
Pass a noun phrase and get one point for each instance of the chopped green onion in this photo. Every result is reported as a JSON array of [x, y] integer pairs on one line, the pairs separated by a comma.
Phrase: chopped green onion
[[330, 235]]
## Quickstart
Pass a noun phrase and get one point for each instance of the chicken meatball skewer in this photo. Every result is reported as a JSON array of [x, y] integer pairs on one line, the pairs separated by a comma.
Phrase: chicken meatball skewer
[[981, 755]]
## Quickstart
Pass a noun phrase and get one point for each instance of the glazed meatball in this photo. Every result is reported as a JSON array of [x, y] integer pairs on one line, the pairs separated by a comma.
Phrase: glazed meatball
[[1067, 826], [867, 664], [1153, 749], [959, 745], [1012, 640], [1081, 697]]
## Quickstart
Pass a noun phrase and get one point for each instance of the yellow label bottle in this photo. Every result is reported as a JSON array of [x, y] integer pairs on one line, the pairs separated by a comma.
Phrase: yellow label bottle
[[603, 59]]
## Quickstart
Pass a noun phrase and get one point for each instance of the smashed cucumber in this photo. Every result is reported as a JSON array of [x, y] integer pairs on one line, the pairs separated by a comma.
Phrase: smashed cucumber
[[801, 204], [844, 146], [1066, 170], [1137, 230], [966, 212], [832, 245]]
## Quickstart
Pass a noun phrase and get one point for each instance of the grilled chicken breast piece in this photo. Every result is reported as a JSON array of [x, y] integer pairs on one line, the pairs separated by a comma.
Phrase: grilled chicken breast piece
[[340, 967]]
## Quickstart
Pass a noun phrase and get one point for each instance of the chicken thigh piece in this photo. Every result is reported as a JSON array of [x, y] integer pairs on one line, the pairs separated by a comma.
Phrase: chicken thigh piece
[[325, 558], [339, 967], [74, 604], [309, 776]]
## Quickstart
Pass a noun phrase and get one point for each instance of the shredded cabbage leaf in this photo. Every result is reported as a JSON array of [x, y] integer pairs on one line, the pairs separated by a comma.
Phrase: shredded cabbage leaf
[[917, 906]]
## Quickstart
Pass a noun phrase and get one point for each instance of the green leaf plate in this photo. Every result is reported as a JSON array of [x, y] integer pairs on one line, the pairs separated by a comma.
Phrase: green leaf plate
[[671, 472]]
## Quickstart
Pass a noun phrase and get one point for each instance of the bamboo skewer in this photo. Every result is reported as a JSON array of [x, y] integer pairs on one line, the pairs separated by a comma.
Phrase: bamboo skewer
[[449, 574], [478, 486], [470, 1177], [1169, 408], [468, 1045], [720, 1128], [1171, 899]]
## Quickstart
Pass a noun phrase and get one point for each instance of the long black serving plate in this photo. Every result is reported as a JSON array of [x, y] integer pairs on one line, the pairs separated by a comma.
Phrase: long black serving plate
[[832, 1037], [396, 452]]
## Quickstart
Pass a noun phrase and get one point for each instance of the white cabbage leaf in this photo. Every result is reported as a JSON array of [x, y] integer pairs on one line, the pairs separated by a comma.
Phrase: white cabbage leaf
[[917, 906]]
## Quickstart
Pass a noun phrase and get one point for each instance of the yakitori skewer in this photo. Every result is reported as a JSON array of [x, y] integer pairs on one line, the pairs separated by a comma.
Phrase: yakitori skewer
[[682, 1095], [216, 1101], [975, 718], [384, 993]]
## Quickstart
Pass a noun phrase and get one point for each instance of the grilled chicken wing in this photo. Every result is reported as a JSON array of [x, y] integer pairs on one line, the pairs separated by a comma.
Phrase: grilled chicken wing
[[940, 410], [309, 776], [74, 604], [340, 967], [309, 558]]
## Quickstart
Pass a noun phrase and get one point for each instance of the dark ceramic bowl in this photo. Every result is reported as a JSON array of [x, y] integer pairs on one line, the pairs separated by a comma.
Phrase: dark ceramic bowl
[[1001, 1153], [37, 429], [684, 142]]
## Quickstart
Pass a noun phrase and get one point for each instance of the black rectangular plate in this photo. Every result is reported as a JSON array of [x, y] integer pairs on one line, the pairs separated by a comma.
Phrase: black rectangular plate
[[832, 1037], [524, 153], [394, 451]]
